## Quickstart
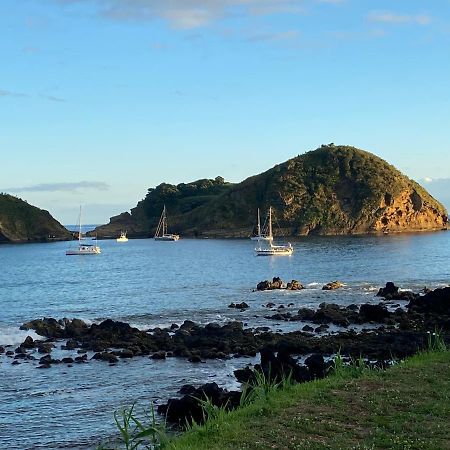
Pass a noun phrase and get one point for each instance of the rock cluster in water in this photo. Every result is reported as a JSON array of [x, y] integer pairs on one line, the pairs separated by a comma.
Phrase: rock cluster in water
[[401, 333], [278, 283]]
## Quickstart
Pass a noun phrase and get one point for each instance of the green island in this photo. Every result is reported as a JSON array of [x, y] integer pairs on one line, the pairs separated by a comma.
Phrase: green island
[[328, 191], [404, 407], [22, 222]]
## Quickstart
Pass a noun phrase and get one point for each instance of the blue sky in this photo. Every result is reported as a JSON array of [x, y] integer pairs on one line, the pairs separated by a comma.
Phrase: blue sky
[[102, 99]]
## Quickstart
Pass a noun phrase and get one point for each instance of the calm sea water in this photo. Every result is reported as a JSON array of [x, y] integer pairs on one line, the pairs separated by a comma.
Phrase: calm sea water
[[148, 284]]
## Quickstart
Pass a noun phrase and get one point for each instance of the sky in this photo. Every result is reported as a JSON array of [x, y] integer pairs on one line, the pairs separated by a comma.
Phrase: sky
[[102, 99]]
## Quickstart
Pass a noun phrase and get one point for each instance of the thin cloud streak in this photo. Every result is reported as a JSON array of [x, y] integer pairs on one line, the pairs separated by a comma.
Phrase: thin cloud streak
[[190, 14], [398, 19], [274, 37], [62, 187], [4, 93]]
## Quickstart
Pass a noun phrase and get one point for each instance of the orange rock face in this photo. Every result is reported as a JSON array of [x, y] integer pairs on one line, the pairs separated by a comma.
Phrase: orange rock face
[[408, 212]]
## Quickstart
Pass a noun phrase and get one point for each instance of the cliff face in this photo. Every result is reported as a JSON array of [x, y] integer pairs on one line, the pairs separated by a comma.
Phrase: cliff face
[[21, 222], [331, 190]]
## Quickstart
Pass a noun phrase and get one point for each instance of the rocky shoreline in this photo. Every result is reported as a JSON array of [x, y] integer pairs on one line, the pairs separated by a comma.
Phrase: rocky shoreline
[[399, 333]]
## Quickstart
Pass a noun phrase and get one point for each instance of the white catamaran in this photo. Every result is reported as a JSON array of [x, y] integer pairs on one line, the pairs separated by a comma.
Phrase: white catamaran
[[270, 249], [161, 232], [83, 249], [261, 235]]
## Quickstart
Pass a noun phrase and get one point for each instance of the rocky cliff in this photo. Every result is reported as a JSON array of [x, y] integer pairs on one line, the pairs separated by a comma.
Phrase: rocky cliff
[[331, 190], [21, 222]]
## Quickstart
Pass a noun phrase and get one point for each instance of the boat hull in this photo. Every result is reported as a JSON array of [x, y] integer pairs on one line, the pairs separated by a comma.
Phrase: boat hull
[[275, 250], [91, 250], [167, 237]]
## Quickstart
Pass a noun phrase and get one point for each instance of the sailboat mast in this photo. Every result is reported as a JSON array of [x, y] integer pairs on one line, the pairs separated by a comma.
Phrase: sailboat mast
[[164, 221], [270, 221], [79, 226], [259, 224]]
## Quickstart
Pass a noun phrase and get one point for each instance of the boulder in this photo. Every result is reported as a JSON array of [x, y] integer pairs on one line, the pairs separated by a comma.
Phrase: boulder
[[188, 408], [241, 305], [389, 289], [332, 285], [373, 313], [28, 342], [294, 285]]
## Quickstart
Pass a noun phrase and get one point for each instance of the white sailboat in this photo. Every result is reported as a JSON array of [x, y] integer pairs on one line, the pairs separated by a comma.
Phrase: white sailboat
[[83, 248], [261, 236], [273, 250], [161, 232], [123, 237]]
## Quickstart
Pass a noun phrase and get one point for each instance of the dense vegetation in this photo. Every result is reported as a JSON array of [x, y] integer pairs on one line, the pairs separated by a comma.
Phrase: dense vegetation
[[21, 222], [331, 190]]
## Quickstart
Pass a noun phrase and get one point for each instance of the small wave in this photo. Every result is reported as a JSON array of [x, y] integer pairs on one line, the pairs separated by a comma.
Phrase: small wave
[[314, 283], [12, 335]]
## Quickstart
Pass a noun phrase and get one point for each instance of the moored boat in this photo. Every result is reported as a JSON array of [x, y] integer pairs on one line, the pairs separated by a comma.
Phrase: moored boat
[[161, 231], [83, 248], [123, 237], [270, 249], [261, 235]]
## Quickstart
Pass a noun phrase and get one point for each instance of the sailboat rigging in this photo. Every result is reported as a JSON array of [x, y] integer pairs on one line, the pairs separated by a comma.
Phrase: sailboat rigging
[[161, 231], [83, 248], [271, 249], [261, 235]]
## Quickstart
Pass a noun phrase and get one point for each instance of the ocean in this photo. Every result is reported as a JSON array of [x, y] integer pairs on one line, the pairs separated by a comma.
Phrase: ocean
[[155, 284]]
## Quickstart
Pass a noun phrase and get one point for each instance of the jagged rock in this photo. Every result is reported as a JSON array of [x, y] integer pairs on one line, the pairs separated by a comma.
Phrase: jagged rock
[[332, 285], [266, 285], [294, 285], [308, 328], [28, 342], [389, 289]]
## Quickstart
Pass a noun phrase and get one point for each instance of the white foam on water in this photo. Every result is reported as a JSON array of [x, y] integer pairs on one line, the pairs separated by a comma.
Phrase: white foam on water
[[13, 336]]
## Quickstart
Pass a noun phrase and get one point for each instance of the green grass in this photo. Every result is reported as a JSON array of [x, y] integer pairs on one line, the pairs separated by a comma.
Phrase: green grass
[[404, 407]]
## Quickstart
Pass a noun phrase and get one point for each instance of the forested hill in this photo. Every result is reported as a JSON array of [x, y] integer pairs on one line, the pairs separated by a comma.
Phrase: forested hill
[[330, 190], [21, 222]]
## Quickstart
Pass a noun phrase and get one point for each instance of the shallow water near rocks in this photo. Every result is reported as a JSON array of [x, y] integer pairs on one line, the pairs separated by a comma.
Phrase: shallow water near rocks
[[149, 284]]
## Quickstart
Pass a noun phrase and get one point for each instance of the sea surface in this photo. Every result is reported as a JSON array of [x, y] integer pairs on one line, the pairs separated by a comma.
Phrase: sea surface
[[150, 284]]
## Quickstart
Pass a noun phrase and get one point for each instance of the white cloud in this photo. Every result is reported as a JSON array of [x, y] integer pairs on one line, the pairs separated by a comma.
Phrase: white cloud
[[61, 187], [395, 18]]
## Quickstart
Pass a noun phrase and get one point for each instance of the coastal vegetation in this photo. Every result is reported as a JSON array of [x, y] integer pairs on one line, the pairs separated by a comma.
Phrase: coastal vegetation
[[355, 407], [331, 190], [22, 222]]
